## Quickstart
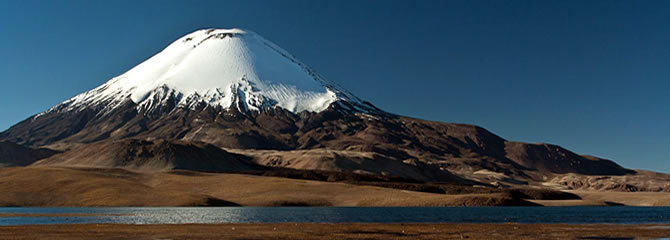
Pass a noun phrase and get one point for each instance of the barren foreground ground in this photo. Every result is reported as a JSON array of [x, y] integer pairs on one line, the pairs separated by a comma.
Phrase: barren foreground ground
[[337, 231]]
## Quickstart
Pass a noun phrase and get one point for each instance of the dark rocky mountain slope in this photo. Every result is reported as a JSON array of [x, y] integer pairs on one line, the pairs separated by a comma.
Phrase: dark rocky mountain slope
[[154, 155], [378, 143], [12, 154]]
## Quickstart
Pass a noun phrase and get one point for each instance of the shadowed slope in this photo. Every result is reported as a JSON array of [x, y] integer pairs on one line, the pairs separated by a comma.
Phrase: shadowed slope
[[12, 154], [151, 155], [29, 186], [555, 159]]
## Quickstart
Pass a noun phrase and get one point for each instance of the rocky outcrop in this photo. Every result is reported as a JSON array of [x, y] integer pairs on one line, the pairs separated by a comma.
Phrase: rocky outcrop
[[642, 181]]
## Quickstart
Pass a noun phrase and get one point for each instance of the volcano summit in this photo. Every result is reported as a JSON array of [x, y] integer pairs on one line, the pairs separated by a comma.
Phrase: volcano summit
[[219, 68]]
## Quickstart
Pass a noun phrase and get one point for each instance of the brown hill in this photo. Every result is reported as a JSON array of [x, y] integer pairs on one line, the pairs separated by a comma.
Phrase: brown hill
[[555, 159], [372, 163], [12, 154], [151, 155]]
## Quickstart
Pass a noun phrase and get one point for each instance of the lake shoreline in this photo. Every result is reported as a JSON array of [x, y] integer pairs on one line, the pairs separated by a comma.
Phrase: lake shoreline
[[337, 231]]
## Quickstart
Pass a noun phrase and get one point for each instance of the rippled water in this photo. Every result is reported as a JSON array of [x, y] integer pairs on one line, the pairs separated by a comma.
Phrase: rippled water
[[176, 215]]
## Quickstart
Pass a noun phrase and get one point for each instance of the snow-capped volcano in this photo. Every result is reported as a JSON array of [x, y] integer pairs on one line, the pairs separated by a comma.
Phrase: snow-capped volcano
[[217, 67], [236, 90]]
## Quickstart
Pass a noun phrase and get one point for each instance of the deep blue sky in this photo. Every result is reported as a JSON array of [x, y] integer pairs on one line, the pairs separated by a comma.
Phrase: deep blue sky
[[592, 76]]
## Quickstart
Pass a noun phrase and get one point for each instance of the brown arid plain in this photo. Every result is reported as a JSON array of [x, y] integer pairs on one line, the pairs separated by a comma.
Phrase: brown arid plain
[[50, 186], [37, 186]]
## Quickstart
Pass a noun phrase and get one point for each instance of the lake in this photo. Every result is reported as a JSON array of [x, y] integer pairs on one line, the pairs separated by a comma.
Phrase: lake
[[179, 215]]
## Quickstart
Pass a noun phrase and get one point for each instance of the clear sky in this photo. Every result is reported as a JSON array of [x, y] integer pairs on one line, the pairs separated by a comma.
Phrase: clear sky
[[592, 76]]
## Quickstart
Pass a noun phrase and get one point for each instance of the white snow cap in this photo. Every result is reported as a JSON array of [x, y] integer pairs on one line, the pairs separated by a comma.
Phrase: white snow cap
[[221, 67]]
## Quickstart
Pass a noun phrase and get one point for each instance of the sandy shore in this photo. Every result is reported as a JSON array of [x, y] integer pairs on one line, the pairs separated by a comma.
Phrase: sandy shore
[[336, 231]]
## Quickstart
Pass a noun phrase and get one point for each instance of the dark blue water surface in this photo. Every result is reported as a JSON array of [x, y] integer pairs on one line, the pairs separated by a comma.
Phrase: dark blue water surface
[[176, 215]]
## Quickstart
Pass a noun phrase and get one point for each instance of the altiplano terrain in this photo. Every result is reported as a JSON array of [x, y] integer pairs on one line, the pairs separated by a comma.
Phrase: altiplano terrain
[[48, 186], [37, 186]]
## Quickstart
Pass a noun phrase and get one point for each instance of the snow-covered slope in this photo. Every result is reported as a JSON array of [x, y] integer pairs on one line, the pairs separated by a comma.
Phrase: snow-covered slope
[[218, 67]]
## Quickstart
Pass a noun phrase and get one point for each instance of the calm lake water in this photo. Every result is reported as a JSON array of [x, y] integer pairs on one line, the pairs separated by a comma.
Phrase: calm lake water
[[175, 215]]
